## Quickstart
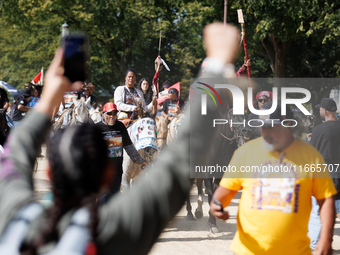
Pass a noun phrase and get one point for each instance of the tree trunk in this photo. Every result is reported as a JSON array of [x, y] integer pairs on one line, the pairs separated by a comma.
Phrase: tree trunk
[[270, 51], [281, 51]]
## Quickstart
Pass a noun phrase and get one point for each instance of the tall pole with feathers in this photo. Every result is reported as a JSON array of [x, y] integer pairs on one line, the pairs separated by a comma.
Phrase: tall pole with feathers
[[241, 20], [159, 63]]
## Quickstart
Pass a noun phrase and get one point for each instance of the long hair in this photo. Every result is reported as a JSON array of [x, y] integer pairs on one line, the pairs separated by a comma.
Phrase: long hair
[[4, 129], [149, 93], [78, 159]]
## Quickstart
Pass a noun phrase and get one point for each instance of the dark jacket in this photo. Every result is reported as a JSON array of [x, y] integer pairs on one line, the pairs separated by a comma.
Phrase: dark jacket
[[129, 223]]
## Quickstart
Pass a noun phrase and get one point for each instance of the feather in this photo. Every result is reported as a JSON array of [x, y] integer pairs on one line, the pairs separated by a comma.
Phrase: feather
[[166, 66]]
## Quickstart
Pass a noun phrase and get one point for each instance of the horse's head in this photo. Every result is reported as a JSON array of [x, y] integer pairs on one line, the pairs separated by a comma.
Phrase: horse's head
[[142, 114], [95, 115], [174, 126], [162, 131], [143, 135], [81, 111]]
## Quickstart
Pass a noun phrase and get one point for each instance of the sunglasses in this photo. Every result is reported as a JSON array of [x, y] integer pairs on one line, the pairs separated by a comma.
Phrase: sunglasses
[[263, 100], [171, 92], [114, 113]]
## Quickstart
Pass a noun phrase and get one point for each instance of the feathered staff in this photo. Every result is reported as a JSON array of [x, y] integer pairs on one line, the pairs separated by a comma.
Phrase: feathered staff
[[243, 38], [240, 20], [159, 63]]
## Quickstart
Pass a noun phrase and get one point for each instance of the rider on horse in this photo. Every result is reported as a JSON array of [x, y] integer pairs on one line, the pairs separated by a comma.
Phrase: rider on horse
[[129, 99], [173, 105]]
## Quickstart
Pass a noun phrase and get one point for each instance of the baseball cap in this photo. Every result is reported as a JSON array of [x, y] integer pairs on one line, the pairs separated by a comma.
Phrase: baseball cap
[[276, 117], [264, 93], [26, 92], [327, 103], [109, 107]]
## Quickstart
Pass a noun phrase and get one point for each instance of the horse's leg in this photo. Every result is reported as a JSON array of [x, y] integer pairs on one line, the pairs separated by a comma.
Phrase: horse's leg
[[199, 209], [190, 216], [126, 179], [216, 182], [199, 182]]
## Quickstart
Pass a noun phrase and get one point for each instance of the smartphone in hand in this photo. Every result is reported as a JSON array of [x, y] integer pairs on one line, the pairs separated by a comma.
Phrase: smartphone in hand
[[76, 50], [218, 203]]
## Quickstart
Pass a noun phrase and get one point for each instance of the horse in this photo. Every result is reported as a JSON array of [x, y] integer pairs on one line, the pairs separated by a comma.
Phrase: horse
[[79, 114], [225, 142], [173, 127], [162, 131], [95, 115], [143, 135], [4, 128]]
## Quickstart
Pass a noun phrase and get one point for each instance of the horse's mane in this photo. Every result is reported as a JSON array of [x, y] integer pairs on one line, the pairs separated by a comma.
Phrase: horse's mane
[[81, 107], [152, 114]]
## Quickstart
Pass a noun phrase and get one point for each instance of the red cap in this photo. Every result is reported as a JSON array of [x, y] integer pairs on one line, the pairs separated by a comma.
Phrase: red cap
[[264, 93], [109, 107]]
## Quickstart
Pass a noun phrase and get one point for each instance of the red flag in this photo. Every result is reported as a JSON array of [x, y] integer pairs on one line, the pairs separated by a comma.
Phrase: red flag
[[176, 86], [155, 82], [39, 78]]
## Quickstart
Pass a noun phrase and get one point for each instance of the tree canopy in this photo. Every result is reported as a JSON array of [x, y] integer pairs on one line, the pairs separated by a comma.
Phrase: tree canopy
[[285, 38]]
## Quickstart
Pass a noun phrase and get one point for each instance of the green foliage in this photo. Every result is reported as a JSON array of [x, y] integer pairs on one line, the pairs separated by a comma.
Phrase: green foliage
[[280, 25], [24, 53], [125, 33]]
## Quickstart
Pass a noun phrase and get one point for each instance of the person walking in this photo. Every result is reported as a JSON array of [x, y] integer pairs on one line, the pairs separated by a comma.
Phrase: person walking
[[21, 107], [326, 139], [117, 138], [275, 206]]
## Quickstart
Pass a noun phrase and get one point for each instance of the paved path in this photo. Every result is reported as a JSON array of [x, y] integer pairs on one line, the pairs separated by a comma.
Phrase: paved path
[[182, 237]]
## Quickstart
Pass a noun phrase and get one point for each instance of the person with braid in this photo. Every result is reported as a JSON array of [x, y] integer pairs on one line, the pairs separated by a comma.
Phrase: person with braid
[[79, 169]]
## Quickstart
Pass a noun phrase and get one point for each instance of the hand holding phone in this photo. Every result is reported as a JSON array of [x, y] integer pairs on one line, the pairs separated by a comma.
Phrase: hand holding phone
[[218, 203], [216, 209]]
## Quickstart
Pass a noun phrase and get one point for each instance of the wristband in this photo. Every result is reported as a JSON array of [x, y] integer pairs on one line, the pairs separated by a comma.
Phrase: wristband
[[218, 67]]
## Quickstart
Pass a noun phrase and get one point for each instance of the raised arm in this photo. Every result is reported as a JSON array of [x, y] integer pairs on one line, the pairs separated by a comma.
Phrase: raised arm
[[131, 223], [16, 186]]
